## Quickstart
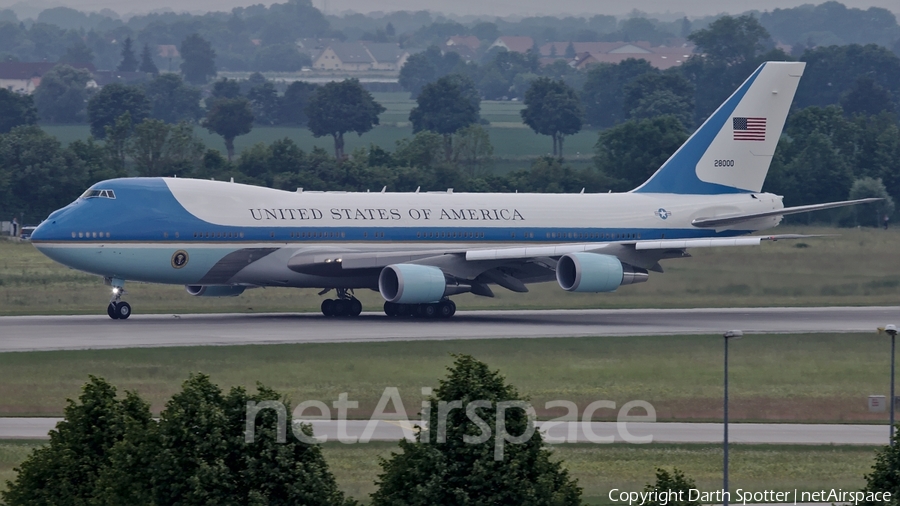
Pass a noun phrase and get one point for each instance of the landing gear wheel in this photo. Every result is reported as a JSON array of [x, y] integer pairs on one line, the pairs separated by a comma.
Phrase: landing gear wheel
[[428, 310], [123, 310], [340, 307], [327, 307], [355, 307], [446, 308], [390, 309], [111, 311]]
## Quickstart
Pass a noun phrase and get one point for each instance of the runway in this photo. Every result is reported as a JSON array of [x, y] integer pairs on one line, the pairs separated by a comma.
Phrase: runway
[[354, 431], [44, 333]]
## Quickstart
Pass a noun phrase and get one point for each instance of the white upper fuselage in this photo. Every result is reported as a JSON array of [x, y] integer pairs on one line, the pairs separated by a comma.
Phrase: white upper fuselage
[[136, 234]]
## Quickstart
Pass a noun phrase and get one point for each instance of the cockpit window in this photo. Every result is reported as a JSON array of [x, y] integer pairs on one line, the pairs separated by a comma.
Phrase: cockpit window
[[103, 194]]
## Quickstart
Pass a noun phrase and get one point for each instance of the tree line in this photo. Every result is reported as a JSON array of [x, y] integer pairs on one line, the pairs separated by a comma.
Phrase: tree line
[[259, 38], [208, 447], [109, 450]]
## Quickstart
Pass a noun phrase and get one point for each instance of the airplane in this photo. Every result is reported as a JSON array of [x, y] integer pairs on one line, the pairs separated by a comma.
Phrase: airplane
[[417, 249]]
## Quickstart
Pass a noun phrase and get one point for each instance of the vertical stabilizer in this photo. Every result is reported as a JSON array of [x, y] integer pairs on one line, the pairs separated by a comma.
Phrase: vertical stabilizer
[[732, 150]]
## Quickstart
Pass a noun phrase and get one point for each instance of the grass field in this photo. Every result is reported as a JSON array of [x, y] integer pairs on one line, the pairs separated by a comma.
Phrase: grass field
[[858, 267], [600, 468], [811, 378]]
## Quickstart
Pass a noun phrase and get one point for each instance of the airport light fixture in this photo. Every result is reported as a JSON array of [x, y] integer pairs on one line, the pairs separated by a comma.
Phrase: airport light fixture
[[728, 336], [891, 330]]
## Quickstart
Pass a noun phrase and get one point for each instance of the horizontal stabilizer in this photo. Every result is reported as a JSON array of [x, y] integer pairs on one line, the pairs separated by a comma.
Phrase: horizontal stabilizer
[[722, 221]]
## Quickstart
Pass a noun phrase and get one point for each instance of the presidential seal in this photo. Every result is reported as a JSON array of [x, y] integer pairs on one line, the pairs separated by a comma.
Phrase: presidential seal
[[179, 259]]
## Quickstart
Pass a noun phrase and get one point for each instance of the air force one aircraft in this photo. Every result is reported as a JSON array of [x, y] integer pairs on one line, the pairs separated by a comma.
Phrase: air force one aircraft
[[417, 249]]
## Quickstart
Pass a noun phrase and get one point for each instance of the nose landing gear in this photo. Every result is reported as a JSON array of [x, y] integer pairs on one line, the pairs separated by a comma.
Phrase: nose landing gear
[[345, 305], [117, 308]]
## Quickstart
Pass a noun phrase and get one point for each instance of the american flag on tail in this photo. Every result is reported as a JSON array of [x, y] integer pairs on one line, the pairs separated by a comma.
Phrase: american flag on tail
[[749, 129]]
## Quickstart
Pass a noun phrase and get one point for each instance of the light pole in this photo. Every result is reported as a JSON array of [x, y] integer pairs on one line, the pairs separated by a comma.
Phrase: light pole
[[892, 331], [729, 335]]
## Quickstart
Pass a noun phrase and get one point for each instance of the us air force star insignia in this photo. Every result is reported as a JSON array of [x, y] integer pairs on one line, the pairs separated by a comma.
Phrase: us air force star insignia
[[179, 259], [662, 213]]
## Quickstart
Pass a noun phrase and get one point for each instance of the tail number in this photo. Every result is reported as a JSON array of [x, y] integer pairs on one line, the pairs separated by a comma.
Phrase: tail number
[[723, 163]]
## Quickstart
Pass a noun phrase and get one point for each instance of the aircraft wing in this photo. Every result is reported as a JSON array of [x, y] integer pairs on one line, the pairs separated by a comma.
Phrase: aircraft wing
[[511, 267], [727, 220]]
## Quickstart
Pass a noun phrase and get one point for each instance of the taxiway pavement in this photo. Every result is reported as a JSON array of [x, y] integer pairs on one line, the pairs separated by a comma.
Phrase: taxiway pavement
[[40, 333], [350, 431]]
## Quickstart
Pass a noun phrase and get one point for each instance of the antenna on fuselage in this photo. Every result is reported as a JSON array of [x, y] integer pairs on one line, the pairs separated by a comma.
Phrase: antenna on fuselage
[[418, 188], [232, 179], [384, 189], [582, 191]]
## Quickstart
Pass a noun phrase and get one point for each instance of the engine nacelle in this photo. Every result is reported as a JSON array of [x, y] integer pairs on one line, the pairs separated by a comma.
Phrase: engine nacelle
[[412, 284], [214, 291], [592, 272]]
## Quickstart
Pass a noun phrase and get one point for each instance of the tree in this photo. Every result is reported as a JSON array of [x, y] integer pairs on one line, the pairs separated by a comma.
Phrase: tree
[[730, 40], [866, 97], [884, 476], [160, 149], [62, 94], [570, 51], [472, 149], [426, 67], [658, 94], [631, 152], [116, 145], [341, 107], [111, 451], [111, 102], [552, 108], [834, 71], [445, 465], [67, 470], [171, 100], [16, 110], [282, 57], [77, 54], [229, 117], [667, 482], [265, 103], [198, 63], [868, 187], [293, 103], [129, 61], [444, 107], [147, 64], [603, 91], [224, 88]]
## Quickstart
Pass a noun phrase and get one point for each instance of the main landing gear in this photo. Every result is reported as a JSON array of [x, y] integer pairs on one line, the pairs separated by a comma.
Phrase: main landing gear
[[345, 305], [443, 309], [118, 309]]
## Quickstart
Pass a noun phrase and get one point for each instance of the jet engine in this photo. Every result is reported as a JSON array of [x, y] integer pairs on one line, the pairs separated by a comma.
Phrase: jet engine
[[591, 272], [214, 291], [412, 284]]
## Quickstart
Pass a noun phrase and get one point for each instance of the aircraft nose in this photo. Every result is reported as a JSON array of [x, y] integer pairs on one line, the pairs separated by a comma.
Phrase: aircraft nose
[[44, 231]]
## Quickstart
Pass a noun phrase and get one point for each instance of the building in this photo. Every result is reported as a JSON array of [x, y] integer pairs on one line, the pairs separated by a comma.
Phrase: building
[[24, 77], [514, 44], [465, 47], [361, 57], [590, 53]]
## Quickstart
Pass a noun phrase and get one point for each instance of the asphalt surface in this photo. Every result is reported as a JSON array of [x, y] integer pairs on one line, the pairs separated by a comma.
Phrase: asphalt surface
[[567, 432], [36, 333]]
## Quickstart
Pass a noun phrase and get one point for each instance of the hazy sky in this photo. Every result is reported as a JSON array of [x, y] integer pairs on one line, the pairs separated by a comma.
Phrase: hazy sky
[[461, 7]]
